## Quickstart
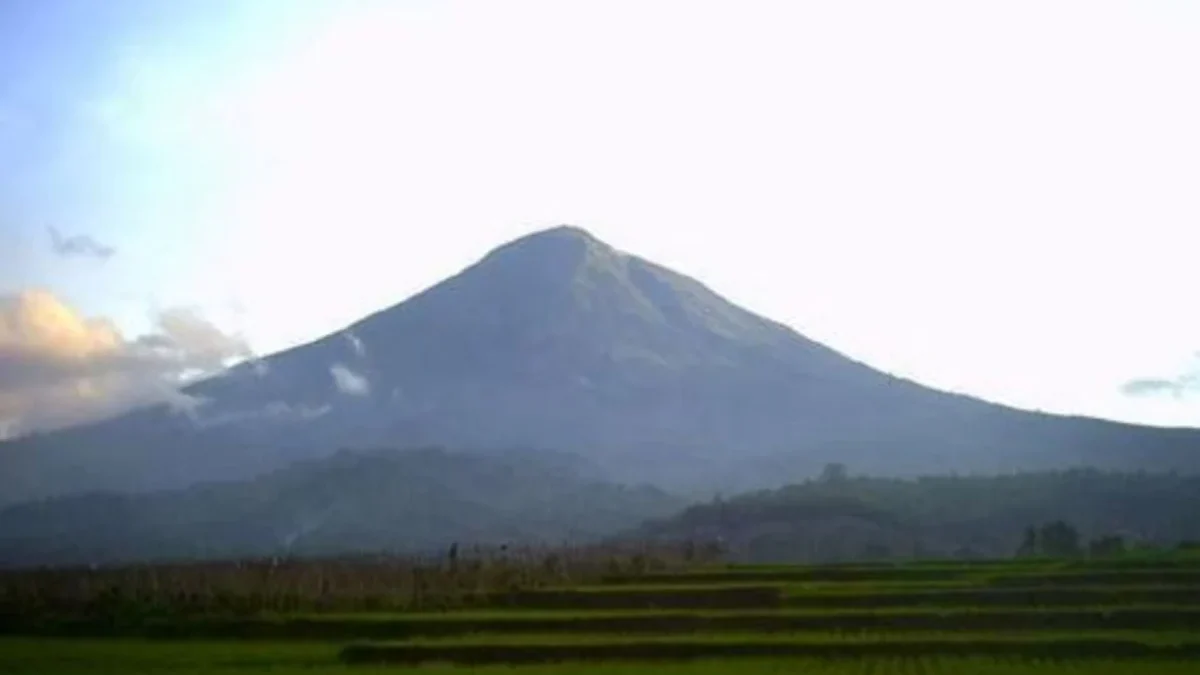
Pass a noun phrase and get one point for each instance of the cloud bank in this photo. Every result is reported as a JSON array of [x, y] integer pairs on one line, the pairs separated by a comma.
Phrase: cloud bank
[[59, 368]]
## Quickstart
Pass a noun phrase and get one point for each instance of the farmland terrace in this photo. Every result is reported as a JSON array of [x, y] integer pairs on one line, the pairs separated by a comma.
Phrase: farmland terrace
[[1132, 614]]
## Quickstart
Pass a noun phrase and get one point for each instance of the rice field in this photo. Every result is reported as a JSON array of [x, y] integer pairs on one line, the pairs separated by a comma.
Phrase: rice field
[[1019, 616]]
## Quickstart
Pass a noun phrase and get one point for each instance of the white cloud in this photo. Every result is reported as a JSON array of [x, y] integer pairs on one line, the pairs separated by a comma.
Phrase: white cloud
[[348, 381], [59, 368], [356, 344], [277, 411], [1180, 386]]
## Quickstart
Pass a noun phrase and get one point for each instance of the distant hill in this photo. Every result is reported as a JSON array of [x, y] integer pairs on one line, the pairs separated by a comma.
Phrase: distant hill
[[945, 516], [558, 341], [415, 501]]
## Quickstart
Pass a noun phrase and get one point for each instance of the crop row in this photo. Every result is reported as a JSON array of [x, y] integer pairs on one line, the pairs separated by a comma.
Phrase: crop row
[[407, 627], [79, 657], [1001, 597], [121, 607], [377, 583], [660, 650], [769, 597], [918, 574], [1178, 559]]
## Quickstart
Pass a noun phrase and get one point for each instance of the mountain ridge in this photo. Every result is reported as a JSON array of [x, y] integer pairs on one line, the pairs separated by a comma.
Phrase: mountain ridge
[[559, 341], [420, 500]]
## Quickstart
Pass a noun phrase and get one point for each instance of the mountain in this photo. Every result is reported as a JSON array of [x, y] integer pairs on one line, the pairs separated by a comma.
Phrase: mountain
[[558, 341], [419, 501], [856, 518]]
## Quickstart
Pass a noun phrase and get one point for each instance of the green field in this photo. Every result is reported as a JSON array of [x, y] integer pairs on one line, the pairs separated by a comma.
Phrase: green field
[[82, 657], [1021, 616]]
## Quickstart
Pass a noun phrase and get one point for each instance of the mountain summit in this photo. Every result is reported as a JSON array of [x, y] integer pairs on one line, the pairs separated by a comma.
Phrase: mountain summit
[[559, 341]]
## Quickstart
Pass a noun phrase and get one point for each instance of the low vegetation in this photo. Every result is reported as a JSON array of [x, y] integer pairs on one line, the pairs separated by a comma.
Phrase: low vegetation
[[459, 577], [1112, 588], [609, 610]]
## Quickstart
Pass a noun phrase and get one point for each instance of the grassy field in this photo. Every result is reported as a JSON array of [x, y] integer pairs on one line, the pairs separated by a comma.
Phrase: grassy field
[[1021, 616], [81, 657]]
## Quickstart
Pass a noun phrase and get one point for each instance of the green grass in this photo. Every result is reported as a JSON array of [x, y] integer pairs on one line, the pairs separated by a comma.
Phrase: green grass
[[901, 576], [77, 657], [82, 657], [995, 597], [52, 657], [1182, 592], [712, 597], [1156, 638], [541, 649], [1150, 560], [397, 626], [1122, 616], [540, 615]]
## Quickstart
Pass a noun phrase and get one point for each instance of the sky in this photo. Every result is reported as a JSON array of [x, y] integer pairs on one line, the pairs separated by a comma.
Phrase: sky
[[998, 198]]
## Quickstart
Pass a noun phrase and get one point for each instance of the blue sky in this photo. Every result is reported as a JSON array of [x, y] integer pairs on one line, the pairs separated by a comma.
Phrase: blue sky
[[996, 198]]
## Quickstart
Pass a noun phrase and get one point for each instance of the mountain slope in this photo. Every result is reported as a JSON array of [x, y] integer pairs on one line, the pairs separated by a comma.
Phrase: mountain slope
[[556, 340], [855, 518], [415, 501]]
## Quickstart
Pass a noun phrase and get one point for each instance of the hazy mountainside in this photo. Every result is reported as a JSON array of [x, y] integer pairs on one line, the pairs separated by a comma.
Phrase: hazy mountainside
[[862, 518], [558, 341], [412, 501]]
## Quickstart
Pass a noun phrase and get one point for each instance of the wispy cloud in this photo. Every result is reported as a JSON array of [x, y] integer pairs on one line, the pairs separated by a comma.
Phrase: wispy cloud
[[276, 411], [79, 245], [1176, 387], [348, 381], [356, 344], [1150, 387]]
